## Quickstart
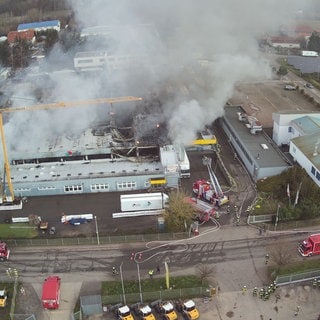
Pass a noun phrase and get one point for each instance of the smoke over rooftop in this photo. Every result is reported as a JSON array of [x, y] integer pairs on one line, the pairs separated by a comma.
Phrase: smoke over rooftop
[[189, 54]]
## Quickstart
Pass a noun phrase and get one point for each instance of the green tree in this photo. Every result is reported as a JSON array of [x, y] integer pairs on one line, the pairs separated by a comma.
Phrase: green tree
[[314, 42], [50, 37], [282, 71], [20, 54], [5, 54], [179, 214]]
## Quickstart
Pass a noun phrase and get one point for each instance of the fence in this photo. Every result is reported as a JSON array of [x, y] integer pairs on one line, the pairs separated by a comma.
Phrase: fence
[[94, 240], [260, 218], [298, 277]]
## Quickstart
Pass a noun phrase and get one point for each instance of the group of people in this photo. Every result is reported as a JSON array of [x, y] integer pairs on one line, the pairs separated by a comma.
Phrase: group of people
[[264, 293]]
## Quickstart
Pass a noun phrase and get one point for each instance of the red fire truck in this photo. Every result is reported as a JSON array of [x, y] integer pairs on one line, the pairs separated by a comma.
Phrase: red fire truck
[[51, 292], [4, 251], [310, 246]]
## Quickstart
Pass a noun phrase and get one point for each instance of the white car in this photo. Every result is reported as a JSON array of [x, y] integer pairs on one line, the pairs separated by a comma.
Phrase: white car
[[308, 85], [289, 87]]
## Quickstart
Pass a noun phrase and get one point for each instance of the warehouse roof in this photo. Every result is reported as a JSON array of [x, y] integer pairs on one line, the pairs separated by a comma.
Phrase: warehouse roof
[[259, 146], [307, 124], [310, 146], [39, 25], [62, 171]]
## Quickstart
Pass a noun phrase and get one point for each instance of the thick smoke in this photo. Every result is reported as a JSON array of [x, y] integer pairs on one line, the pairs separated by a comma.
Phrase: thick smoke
[[190, 54]]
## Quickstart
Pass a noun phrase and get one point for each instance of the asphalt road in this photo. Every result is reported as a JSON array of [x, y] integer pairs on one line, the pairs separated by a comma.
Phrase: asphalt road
[[179, 254]]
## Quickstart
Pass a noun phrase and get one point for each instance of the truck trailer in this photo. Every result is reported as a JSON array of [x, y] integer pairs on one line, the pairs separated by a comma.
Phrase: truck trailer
[[306, 53], [310, 246], [143, 201], [51, 292]]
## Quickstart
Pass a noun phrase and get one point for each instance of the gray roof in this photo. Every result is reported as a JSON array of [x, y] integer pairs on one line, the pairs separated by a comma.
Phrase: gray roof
[[62, 171], [307, 124], [260, 146], [310, 146], [305, 64]]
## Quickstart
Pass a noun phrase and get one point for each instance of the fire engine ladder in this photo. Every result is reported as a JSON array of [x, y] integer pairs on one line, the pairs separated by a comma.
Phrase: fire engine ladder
[[213, 179]]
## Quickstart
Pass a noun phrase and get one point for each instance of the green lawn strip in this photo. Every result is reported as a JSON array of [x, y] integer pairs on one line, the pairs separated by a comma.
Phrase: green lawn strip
[[149, 285], [299, 267], [17, 230]]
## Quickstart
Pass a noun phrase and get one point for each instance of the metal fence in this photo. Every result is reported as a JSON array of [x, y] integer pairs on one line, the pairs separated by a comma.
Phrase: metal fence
[[24, 317], [298, 277], [260, 218], [76, 316], [91, 240]]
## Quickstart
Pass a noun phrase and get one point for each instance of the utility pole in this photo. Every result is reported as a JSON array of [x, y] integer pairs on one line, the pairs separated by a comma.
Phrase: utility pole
[[277, 218], [97, 231], [122, 284], [139, 280]]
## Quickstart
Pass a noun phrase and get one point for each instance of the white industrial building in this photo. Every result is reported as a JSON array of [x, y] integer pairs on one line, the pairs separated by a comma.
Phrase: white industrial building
[[305, 150], [301, 131], [101, 60], [291, 124]]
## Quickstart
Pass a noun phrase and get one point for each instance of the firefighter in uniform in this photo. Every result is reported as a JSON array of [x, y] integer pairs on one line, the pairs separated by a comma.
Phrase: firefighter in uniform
[[255, 291], [261, 293], [267, 258], [244, 290], [314, 283]]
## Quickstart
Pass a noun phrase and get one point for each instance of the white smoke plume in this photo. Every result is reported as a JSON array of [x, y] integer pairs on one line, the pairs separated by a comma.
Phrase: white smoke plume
[[193, 53]]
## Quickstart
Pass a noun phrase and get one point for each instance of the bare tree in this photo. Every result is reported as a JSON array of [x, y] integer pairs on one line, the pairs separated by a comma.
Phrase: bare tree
[[205, 272], [280, 255]]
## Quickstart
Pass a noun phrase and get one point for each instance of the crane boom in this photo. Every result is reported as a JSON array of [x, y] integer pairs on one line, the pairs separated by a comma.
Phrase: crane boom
[[71, 104], [46, 107], [6, 161]]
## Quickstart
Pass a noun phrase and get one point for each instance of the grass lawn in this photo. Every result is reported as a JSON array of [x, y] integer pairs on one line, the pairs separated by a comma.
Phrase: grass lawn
[[17, 230], [300, 267], [150, 285]]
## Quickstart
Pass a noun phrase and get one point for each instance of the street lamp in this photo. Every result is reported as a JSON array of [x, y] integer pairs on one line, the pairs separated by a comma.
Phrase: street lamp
[[139, 280], [97, 231], [121, 277], [277, 218]]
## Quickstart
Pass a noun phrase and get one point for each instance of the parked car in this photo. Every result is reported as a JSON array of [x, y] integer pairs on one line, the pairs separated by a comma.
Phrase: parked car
[[308, 85], [289, 87], [52, 230], [77, 221]]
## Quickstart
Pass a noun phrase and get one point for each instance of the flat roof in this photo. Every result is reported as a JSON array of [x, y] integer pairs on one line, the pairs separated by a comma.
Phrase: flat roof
[[307, 124], [37, 25], [310, 146], [255, 144], [90, 54], [62, 171]]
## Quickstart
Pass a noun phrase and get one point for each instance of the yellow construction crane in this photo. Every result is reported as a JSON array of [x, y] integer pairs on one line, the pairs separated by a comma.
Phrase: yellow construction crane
[[45, 107]]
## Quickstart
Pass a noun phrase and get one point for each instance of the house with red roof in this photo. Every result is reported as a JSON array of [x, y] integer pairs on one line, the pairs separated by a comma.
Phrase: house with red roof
[[14, 36]]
